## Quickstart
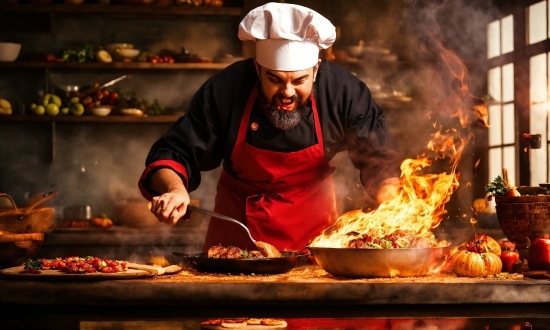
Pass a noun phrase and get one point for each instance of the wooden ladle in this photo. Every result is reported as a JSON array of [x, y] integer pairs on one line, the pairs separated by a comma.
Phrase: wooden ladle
[[37, 200]]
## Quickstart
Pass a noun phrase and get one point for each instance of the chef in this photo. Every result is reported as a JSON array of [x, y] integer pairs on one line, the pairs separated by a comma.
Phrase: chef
[[274, 122]]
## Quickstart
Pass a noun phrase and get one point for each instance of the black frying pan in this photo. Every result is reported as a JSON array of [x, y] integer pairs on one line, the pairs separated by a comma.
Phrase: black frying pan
[[202, 263]]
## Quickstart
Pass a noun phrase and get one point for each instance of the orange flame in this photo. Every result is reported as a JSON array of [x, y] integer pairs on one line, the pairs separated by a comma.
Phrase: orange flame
[[420, 204]]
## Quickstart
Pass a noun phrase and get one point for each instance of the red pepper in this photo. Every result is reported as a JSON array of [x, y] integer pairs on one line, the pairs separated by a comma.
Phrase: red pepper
[[539, 254], [509, 258]]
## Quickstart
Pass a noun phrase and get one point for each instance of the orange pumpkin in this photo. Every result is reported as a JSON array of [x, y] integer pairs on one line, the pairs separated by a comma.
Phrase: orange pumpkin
[[474, 264], [482, 243], [493, 246]]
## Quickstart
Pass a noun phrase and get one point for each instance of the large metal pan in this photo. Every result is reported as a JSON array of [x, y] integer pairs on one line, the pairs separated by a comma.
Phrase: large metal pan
[[344, 262], [287, 262]]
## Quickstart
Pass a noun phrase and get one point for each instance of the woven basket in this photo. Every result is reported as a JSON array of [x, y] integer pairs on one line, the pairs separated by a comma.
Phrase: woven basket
[[523, 218]]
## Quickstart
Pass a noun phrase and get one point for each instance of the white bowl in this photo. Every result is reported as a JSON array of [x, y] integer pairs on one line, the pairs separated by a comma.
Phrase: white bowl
[[127, 53], [100, 111], [119, 45], [9, 51]]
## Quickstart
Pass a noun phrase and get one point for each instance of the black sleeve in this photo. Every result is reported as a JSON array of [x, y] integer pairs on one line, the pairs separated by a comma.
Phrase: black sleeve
[[193, 140], [371, 146], [205, 136]]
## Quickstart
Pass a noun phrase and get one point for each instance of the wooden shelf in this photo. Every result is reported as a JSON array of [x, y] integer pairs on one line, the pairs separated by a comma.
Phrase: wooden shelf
[[90, 119], [113, 65], [126, 10]]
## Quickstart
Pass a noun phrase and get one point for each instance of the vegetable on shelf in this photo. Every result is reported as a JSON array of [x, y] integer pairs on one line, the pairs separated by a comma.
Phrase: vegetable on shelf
[[500, 187], [80, 54]]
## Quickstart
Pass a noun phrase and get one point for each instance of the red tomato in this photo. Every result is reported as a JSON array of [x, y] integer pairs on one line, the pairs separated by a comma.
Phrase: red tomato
[[106, 269], [539, 254], [509, 258], [512, 192]]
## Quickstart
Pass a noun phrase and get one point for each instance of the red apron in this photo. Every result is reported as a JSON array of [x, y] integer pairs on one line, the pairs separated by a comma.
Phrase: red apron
[[285, 198]]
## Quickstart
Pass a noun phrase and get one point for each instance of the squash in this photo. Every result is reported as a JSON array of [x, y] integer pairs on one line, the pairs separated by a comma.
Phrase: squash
[[482, 243], [474, 264], [493, 246]]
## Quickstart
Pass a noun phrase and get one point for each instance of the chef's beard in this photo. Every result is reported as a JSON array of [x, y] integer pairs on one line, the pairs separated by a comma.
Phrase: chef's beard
[[283, 119]]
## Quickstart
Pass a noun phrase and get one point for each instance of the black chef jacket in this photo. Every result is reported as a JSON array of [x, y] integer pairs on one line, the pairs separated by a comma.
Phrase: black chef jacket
[[350, 120]]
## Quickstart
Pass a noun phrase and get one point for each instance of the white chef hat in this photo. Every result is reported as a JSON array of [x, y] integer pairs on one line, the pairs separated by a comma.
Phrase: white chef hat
[[288, 37]]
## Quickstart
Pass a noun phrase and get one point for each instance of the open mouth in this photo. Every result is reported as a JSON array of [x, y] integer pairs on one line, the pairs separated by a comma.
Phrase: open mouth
[[286, 104]]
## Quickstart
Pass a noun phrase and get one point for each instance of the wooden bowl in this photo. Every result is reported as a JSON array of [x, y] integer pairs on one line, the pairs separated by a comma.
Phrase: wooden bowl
[[523, 218], [39, 220], [134, 213], [15, 249]]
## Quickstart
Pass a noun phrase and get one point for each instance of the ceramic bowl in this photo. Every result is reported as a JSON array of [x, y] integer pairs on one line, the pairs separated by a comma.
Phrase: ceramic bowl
[[100, 111], [111, 48], [127, 54], [9, 51]]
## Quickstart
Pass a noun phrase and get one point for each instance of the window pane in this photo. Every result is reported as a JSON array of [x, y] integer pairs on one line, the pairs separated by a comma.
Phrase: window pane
[[537, 119], [494, 83], [537, 22], [538, 157], [508, 124], [537, 79], [508, 82], [495, 163], [507, 34], [495, 128], [493, 39], [509, 163]]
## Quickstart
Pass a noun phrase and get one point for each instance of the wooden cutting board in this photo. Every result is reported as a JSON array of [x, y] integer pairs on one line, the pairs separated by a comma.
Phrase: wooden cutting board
[[15, 272]]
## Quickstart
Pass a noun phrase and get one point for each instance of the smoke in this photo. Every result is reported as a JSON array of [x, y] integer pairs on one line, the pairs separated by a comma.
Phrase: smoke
[[434, 52]]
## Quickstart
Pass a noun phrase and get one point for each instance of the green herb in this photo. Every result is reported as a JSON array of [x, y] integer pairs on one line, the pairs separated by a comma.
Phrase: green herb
[[81, 54], [498, 187], [33, 264], [155, 109], [246, 254]]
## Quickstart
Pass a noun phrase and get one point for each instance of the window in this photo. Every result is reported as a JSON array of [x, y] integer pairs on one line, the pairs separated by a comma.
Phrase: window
[[502, 149]]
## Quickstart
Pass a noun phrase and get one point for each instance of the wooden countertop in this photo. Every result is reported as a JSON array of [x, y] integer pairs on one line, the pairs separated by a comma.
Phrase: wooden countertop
[[305, 292]]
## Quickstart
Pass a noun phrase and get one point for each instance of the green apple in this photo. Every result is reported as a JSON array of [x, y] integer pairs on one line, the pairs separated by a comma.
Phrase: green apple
[[52, 109], [45, 100], [55, 100], [38, 110], [75, 100], [77, 109]]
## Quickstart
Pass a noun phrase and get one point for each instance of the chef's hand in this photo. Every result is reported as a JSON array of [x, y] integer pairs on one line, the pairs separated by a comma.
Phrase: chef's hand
[[171, 206], [389, 189], [172, 203]]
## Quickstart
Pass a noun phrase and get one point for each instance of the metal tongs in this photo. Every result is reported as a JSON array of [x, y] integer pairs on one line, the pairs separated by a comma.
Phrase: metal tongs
[[107, 84], [265, 248], [193, 208]]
